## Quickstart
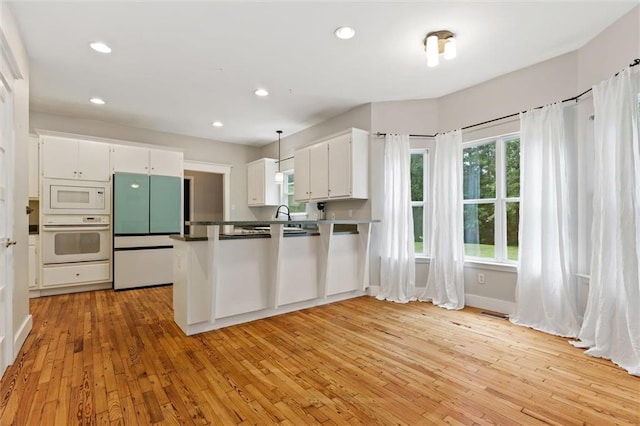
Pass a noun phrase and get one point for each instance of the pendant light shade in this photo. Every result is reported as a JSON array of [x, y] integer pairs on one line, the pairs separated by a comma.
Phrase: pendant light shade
[[279, 177]]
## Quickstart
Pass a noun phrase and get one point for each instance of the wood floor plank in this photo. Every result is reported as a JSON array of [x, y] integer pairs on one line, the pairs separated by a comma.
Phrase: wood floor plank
[[118, 358]]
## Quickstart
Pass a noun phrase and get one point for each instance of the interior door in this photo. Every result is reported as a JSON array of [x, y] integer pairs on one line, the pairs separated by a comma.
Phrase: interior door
[[6, 222]]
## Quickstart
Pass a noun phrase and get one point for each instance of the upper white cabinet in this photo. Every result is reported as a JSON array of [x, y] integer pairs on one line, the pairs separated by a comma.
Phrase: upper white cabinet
[[129, 159], [262, 189], [165, 163], [334, 168], [311, 169], [73, 159], [34, 167], [132, 159]]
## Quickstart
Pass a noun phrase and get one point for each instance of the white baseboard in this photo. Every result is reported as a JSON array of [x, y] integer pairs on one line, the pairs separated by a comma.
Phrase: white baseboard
[[373, 290], [41, 292], [472, 300], [21, 334], [490, 304]]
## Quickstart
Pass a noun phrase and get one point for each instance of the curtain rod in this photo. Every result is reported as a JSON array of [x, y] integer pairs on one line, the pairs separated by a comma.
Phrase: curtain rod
[[574, 98]]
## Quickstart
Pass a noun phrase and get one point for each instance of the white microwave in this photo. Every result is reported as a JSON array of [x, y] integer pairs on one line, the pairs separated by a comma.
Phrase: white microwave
[[76, 197]]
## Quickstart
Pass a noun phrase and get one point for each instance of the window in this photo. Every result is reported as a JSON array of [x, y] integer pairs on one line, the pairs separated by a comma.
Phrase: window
[[288, 195], [491, 192], [419, 173]]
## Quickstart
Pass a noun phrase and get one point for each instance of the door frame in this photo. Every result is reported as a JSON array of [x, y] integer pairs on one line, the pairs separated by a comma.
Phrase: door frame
[[222, 169]]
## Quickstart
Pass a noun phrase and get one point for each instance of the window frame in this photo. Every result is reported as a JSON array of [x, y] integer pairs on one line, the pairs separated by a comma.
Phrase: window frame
[[499, 200], [284, 194], [426, 223]]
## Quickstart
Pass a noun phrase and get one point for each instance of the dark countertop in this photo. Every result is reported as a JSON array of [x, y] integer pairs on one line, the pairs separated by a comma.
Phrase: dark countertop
[[281, 222], [252, 236]]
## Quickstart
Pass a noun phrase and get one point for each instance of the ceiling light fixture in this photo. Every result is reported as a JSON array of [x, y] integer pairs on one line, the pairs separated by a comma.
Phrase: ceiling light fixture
[[217, 124], [279, 177], [344, 33], [101, 47], [97, 101], [261, 92], [438, 42]]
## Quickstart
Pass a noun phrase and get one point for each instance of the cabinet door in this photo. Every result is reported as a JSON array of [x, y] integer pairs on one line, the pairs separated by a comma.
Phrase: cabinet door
[[165, 204], [33, 261], [129, 159], [59, 158], [340, 166], [34, 167], [319, 172], [93, 161], [255, 183], [165, 163], [302, 175]]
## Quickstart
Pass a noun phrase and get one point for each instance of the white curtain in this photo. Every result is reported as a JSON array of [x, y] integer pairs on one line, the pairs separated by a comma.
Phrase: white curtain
[[445, 284], [611, 327], [397, 268], [546, 290]]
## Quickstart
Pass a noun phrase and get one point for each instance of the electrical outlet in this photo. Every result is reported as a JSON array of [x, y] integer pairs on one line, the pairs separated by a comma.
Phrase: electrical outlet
[[481, 278], [350, 213]]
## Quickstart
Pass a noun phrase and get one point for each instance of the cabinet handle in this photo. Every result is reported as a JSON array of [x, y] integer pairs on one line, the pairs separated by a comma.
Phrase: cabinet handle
[[77, 274]]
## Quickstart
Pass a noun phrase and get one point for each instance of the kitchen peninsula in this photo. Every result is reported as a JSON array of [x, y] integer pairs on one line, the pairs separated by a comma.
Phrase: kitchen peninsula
[[247, 270]]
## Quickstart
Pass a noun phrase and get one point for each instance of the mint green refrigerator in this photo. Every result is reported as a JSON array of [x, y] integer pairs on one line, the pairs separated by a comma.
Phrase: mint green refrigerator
[[146, 210], [144, 204]]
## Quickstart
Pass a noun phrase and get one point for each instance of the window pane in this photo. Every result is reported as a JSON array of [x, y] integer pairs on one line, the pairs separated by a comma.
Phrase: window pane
[[479, 230], [295, 207], [512, 162], [417, 175], [418, 228], [479, 170], [513, 221]]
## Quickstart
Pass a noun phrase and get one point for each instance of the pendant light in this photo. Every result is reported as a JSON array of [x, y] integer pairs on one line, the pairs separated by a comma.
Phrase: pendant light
[[279, 175]]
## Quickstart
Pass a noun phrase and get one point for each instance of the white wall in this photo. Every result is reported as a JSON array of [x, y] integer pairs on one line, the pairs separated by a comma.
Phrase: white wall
[[20, 298], [195, 149], [207, 198], [547, 82]]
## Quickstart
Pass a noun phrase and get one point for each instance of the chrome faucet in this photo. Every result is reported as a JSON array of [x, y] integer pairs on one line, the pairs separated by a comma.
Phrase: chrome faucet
[[288, 213]]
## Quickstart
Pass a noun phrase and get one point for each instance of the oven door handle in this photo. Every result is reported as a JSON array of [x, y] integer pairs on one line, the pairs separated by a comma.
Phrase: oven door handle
[[74, 228]]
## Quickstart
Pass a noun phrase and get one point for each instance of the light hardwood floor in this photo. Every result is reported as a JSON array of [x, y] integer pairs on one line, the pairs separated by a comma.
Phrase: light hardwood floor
[[118, 358]]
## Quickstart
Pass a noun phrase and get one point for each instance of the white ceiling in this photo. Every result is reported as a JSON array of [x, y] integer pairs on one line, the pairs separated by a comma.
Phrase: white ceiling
[[176, 66]]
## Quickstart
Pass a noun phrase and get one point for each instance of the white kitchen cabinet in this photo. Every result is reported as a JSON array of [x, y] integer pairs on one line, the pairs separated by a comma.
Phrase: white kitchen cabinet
[[74, 159], [311, 169], [32, 274], [302, 174], [34, 167], [334, 168], [129, 159], [262, 189], [133, 159], [76, 274], [165, 163]]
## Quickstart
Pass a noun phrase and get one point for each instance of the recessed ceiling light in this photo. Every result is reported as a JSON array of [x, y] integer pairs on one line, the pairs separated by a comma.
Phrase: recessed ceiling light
[[217, 124], [99, 46], [261, 92], [97, 101], [345, 33]]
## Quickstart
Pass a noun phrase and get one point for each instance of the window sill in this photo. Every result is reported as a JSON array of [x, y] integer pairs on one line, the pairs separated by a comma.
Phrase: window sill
[[475, 263]]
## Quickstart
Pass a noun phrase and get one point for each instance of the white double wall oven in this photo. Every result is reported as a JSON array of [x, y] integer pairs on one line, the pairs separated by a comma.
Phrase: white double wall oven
[[75, 231]]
